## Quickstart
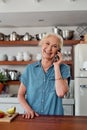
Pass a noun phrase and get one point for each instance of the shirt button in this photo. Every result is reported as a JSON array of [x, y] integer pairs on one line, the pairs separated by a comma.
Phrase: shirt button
[[42, 101]]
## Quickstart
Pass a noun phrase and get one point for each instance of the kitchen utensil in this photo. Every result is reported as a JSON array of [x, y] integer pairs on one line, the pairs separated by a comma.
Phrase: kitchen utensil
[[19, 56], [7, 37], [26, 56], [27, 37], [14, 36], [56, 30], [66, 34], [1, 36], [40, 36], [11, 58], [14, 75]]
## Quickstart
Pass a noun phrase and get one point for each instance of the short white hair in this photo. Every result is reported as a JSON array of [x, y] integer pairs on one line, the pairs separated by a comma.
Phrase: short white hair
[[60, 39]]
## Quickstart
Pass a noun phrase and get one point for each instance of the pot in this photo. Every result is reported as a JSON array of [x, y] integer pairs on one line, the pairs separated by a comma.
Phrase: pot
[[1, 36], [14, 36], [66, 34], [56, 30], [40, 36], [27, 37], [14, 75]]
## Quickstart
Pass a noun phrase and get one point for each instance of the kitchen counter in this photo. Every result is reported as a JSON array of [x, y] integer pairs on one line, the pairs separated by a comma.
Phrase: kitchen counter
[[46, 123]]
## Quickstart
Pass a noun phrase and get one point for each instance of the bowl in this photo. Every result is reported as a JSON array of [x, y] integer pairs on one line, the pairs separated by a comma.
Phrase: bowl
[[11, 58], [18, 58], [67, 34]]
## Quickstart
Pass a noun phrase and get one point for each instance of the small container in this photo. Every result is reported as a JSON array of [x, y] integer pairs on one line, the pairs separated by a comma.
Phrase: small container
[[18, 58], [27, 58], [11, 58]]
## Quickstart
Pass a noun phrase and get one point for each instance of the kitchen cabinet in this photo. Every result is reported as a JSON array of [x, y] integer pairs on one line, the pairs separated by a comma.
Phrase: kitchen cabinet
[[34, 43], [7, 102]]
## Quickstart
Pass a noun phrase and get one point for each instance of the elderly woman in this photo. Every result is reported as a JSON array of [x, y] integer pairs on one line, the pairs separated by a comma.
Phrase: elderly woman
[[45, 82]]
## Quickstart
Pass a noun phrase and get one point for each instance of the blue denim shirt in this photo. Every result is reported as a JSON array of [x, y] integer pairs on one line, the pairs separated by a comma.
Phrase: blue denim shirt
[[41, 94]]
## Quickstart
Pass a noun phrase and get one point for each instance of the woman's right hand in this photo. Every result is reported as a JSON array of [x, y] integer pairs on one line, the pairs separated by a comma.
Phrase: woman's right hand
[[30, 114]]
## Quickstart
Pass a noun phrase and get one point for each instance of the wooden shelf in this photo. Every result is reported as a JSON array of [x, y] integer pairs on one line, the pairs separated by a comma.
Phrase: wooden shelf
[[33, 43], [71, 42], [68, 62], [15, 62], [24, 62], [13, 82], [19, 43]]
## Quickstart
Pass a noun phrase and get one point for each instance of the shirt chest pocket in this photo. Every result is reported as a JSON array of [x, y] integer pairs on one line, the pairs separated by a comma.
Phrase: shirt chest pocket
[[51, 83]]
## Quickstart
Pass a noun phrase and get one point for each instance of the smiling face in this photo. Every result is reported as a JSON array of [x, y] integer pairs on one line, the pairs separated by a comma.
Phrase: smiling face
[[50, 47]]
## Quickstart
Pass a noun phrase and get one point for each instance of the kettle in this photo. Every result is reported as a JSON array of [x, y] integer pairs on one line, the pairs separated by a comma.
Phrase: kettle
[[14, 36], [27, 37]]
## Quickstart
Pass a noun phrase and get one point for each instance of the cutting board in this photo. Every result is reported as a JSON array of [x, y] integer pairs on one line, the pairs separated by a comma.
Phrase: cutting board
[[6, 118]]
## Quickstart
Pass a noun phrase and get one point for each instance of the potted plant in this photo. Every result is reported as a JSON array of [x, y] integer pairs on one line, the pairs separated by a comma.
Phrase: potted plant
[[3, 80]]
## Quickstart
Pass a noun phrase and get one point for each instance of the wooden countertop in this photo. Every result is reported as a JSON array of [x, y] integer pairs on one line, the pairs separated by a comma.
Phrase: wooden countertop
[[46, 123]]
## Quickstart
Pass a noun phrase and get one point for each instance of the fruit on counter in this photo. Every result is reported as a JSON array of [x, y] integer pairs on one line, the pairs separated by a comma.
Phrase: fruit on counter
[[11, 110], [2, 114]]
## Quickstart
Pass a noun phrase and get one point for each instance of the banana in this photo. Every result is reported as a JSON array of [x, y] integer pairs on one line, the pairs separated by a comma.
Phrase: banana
[[11, 110]]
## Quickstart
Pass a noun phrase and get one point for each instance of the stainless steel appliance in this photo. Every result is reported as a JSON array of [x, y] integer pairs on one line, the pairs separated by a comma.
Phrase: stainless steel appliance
[[80, 74]]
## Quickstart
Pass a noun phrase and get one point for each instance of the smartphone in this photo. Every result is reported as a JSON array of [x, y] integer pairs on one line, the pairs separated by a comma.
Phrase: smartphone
[[56, 56]]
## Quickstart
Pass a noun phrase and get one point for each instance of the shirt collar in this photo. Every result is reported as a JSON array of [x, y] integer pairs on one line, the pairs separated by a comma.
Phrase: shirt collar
[[38, 63]]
